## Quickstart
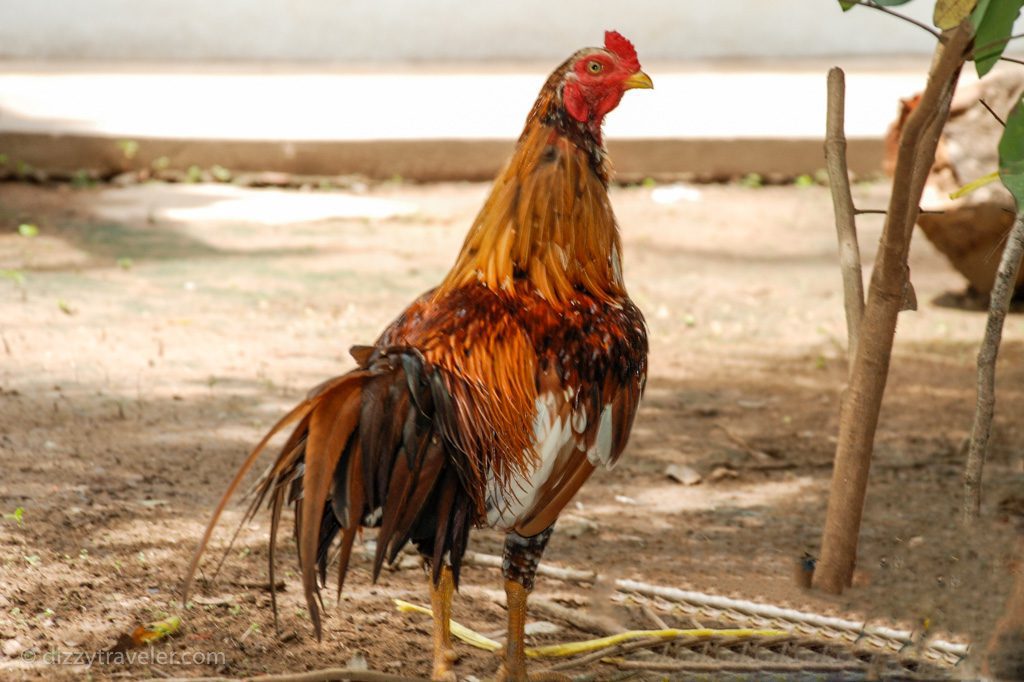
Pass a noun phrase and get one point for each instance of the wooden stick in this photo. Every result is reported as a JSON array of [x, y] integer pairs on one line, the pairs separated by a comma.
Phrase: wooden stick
[[672, 594], [999, 304], [842, 204]]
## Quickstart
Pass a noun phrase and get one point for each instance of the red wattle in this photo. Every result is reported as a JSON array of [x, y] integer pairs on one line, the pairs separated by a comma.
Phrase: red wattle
[[574, 102]]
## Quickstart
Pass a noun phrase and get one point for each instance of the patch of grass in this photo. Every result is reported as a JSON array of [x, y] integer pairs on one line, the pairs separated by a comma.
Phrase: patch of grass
[[220, 173], [129, 148], [15, 275], [83, 179], [18, 516], [752, 181]]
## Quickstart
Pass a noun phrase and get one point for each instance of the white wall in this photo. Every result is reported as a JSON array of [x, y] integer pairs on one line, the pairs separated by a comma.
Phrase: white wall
[[444, 30]]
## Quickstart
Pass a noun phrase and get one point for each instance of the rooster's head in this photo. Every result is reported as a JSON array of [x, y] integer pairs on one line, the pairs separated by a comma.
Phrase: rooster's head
[[597, 78]]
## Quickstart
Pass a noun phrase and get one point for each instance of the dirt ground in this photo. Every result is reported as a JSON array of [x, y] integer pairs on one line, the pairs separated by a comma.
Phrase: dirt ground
[[150, 334]]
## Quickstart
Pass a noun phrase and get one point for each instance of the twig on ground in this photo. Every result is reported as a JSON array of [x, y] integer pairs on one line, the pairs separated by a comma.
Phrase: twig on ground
[[759, 455], [842, 203], [660, 624], [325, 675], [725, 666], [999, 304], [259, 585], [779, 614]]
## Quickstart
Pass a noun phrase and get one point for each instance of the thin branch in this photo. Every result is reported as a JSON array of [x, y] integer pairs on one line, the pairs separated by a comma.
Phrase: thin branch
[[904, 17], [991, 111], [999, 303], [882, 211], [842, 202], [1011, 59]]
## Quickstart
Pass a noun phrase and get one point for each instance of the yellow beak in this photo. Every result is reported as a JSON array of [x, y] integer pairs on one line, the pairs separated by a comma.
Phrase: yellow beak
[[638, 80]]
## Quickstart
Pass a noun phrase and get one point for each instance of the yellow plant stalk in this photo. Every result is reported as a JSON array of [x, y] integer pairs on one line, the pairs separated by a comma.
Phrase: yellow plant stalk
[[474, 638], [975, 184]]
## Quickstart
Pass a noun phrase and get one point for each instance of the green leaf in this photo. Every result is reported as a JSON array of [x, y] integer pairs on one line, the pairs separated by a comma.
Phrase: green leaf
[[847, 5], [28, 230], [1011, 155], [993, 25], [14, 275], [949, 13]]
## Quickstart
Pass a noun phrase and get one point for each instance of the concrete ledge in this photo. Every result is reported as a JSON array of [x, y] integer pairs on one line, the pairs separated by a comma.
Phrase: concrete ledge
[[423, 160]]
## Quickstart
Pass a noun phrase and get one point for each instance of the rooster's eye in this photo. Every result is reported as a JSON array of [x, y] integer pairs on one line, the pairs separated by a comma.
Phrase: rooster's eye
[[594, 67]]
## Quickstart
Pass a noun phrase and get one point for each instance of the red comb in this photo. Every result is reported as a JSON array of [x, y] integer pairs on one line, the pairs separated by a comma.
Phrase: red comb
[[618, 45]]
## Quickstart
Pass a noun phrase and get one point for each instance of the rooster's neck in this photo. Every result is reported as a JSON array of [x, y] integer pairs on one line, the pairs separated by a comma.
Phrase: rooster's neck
[[548, 218]]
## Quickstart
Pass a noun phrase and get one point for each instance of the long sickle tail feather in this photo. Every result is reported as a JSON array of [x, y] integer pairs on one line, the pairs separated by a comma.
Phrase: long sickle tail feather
[[369, 449], [326, 419], [300, 411]]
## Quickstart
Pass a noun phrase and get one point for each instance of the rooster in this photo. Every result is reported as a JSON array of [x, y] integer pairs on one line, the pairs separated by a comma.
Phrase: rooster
[[492, 398]]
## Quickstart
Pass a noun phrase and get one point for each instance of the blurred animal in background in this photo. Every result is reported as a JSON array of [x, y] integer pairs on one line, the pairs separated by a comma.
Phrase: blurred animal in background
[[969, 230], [491, 399]]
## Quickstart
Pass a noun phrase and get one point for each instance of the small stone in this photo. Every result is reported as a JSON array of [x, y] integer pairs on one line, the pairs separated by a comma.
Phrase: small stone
[[622, 499], [915, 541], [721, 473], [358, 662], [542, 627], [125, 179], [574, 526], [683, 474], [12, 647]]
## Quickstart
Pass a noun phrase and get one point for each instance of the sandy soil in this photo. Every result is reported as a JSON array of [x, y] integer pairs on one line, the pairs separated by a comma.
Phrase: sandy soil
[[150, 334]]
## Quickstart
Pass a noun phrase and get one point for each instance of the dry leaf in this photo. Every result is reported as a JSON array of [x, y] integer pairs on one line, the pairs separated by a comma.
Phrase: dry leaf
[[152, 632], [949, 13]]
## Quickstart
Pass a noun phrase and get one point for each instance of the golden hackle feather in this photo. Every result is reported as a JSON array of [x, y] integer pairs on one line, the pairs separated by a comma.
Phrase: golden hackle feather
[[548, 218]]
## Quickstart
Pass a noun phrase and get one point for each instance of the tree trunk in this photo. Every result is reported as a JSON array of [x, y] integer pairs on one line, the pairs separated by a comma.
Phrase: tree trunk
[[858, 417]]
